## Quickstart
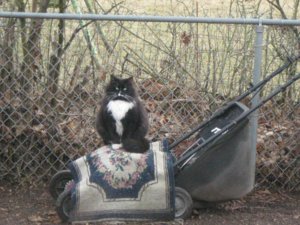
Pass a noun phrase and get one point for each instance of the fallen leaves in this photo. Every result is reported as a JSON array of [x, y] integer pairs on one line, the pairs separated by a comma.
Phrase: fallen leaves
[[233, 205], [3, 210], [35, 218]]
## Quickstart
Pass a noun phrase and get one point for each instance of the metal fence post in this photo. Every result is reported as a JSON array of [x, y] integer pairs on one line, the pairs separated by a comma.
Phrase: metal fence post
[[255, 80]]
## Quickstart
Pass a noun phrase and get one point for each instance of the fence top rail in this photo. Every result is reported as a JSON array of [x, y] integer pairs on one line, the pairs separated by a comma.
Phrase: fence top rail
[[148, 18]]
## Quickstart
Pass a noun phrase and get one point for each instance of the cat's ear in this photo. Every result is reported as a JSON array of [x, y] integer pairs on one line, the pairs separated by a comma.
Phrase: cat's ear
[[113, 78], [130, 79]]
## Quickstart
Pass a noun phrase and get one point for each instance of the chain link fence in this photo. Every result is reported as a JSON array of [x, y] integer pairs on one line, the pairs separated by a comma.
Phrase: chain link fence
[[53, 72]]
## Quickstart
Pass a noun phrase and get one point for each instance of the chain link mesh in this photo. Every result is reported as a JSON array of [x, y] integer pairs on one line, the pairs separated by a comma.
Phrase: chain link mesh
[[53, 73]]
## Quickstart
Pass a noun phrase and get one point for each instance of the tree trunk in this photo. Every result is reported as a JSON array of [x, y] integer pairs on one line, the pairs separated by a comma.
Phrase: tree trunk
[[31, 60], [55, 61], [6, 57]]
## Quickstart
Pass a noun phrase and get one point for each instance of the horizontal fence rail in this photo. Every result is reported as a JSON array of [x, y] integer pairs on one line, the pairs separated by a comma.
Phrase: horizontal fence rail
[[148, 18]]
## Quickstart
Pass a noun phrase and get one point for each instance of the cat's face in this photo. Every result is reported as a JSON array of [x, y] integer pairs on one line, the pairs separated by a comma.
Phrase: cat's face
[[122, 89]]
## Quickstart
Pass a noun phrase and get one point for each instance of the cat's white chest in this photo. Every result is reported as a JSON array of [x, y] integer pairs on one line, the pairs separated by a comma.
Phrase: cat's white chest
[[118, 110]]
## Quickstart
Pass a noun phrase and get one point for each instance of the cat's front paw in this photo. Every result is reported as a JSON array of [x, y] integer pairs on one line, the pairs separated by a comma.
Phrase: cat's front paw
[[116, 146]]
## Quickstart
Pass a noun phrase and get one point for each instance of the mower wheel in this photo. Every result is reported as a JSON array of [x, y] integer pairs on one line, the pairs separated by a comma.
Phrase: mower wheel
[[58, 182], [183, 204], [64, 205]]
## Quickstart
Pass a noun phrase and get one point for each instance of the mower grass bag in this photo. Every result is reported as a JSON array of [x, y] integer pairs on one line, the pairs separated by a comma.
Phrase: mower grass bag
[[224, 168]]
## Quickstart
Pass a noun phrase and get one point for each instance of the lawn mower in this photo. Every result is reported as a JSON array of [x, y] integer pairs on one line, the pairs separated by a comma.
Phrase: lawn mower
[[218, 166]]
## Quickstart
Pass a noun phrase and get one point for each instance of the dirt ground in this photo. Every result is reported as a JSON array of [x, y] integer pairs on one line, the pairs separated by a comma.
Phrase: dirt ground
[[35, 207]]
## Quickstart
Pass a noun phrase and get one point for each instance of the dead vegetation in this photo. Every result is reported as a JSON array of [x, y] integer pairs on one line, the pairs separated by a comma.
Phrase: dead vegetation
[[53, 73]]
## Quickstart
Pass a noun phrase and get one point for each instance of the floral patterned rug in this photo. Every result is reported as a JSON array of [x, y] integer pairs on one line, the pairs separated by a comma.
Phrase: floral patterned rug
[[111, 184]]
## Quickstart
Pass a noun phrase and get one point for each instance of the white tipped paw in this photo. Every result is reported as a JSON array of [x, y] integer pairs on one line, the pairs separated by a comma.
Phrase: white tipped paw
[[116, 146]]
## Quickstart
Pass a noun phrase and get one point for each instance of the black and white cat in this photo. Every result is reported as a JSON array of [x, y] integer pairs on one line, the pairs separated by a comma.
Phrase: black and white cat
[[122, 118]]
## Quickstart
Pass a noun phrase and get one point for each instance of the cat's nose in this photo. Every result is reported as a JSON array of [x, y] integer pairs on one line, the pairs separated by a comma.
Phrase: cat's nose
[[119, 94]]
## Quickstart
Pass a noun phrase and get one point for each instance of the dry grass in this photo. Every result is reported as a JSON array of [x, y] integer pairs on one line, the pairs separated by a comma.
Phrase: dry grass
[[214, 8]]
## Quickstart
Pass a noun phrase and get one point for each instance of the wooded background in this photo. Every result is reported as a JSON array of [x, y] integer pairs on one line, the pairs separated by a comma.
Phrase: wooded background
[[53, 73]]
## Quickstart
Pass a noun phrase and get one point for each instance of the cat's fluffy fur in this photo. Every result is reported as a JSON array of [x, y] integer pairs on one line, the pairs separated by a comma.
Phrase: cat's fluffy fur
[[122, 118]]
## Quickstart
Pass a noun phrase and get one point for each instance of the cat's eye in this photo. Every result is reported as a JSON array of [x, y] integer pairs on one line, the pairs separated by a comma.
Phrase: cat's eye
[[125, 89], [117, 88]]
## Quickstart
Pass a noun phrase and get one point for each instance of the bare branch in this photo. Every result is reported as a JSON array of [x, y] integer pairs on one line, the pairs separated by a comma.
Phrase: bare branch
[[278, 6], [296, 6], [67, 45]]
